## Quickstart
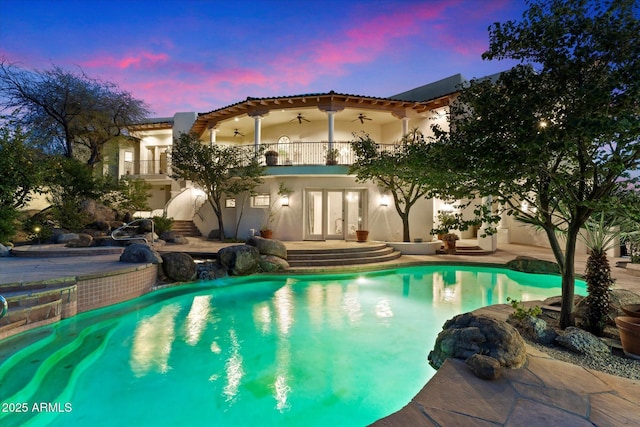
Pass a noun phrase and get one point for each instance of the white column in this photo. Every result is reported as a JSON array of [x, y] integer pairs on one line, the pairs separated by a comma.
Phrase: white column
[[488, 243], [257, 132], [156, 160], [504, 236], [331, 121], [405, 126], [212, 136]]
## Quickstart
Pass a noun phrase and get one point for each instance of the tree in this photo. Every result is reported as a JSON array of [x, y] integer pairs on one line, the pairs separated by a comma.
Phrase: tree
[[68, 113], [217, 169], [552, 138], [395, 170], [23, 171]]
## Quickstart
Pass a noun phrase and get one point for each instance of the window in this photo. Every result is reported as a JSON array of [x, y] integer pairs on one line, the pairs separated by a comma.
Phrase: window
[[230, 203], [128, 156], [261, 200]]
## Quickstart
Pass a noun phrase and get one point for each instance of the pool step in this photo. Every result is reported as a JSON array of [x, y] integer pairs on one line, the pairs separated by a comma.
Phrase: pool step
[[366, 254], [467, 250]]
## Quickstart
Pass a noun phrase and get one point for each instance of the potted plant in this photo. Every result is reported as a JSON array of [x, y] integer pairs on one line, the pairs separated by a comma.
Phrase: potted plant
[[449, 240], [271, 158], [265, 230], [447, 221], [362, 235], [332, 156], [629, 330]]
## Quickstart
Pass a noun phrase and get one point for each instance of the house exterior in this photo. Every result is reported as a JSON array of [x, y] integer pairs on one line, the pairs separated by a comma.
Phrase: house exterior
[[307, 137]]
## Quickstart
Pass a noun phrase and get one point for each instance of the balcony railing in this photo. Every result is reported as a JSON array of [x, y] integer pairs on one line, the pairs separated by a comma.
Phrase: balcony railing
[[288, 154]]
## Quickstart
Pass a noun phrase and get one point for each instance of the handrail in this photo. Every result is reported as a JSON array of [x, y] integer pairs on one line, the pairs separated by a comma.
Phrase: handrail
[[4, 306], [114, 237]]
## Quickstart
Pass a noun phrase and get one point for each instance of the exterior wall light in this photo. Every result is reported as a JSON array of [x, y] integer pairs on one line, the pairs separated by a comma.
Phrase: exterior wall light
[[285, 200], [384, 200]]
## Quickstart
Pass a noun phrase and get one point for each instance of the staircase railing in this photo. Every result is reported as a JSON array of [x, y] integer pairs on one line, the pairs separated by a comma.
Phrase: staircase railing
[[4, 307], [114, 233]]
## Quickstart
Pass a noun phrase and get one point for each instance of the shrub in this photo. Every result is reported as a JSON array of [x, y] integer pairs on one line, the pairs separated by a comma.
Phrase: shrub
[[162, 224]]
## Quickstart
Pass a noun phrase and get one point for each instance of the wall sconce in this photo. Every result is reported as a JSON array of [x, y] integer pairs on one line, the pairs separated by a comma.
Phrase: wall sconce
[[384, 200], [285, 200]]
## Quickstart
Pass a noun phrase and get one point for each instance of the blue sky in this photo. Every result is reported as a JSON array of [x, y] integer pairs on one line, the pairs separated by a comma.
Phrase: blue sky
[[196, 55]]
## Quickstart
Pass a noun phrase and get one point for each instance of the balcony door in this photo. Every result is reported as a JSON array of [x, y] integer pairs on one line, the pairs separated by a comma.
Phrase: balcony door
[[333, 214]]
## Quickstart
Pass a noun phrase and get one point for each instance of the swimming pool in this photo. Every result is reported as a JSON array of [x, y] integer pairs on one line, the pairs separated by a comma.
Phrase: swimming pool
[[306, 350]]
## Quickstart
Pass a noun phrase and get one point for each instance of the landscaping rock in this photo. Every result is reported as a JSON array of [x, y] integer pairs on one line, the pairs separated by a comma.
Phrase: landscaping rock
[[617, 298], [268, 246], [271, 263], [84, 240], [484, 367], [534, 329], [239, 260], [174, 237], [4, 251], [214, 235], [533, 265], [97, 211], [581, 341], [145, 226], [139, 252], [179, 266], [468, 334], [66, 238], [210, 271]]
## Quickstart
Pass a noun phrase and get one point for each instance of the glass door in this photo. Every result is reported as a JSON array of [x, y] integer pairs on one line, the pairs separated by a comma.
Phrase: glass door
[[334, 214]]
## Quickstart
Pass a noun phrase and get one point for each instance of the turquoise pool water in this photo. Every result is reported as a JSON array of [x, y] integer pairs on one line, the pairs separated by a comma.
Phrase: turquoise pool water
[[298, 351]]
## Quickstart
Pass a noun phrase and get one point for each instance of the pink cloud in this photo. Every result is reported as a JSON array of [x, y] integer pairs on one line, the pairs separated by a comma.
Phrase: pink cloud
[[138, 60]]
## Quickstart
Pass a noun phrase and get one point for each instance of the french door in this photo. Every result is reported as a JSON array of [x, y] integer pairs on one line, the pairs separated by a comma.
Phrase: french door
[[334, 214]]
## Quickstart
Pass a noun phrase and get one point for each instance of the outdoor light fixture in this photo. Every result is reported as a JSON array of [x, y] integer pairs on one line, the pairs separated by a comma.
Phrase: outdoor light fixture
[[285, 200], [384, 200]]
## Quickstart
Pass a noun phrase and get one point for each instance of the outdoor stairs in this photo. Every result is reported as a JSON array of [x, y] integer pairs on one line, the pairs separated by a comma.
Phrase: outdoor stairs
[[467, 249], [185, 228], [330, 257]]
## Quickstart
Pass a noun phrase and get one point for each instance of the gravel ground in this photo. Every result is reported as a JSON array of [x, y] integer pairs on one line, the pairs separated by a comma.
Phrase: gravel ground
[[615, 363]]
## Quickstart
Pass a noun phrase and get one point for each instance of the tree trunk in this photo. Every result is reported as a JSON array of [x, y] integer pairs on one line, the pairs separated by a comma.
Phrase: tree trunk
[[215, 205], [567, 312], [405, 227]]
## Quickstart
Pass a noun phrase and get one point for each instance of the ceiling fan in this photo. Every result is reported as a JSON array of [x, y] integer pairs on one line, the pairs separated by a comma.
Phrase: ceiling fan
[[362, 118], [237, 133], [299, 118]]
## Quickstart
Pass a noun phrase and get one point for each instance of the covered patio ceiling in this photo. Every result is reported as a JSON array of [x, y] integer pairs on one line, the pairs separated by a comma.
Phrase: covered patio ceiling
[[312, 107]]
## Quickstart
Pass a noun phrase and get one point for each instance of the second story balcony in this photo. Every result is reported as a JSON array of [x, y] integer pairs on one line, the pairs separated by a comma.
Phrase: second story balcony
[[274, 154]]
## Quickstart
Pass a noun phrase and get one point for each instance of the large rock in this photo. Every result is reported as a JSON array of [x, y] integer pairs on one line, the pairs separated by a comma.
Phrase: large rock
[[179, 266], [139, 252], [468, 334], [4, 251], [271, 263], [617, 298], [65, 238], [582, 342], [210, 271], [533, 265], [484, 367], [173, 237], [97, 211], [534, 329], [84, 240], [239, 260], [268, 246]]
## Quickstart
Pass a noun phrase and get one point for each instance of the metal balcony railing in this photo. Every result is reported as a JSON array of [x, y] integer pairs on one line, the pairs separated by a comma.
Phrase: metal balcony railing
[[287, 154]]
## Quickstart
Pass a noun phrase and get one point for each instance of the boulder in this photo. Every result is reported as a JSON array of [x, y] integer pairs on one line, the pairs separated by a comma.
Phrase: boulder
[[173, 237], [533, 265], [100, 225], [214, 235], [268, 246], [468, 334], [4, 251], [139, 252], [84, 240], [210, 271], [179, 266], [580, 341], [145, 226], [534, 329], [617, 298], [239, 260], [271, 263], [97, 211], [65, 238], [484, 367]]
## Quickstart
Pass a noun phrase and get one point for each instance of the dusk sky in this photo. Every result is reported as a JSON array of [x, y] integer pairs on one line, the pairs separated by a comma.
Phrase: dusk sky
[[196, 55]]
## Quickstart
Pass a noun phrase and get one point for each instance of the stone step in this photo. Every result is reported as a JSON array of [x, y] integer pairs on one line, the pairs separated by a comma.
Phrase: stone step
[[186, 228], [327, 255], [467, 250]]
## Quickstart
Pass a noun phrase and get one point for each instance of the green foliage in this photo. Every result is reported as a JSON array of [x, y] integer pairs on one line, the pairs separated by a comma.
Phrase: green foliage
[[126, 195], [162, 224], [8, 217], [560, 130], [217, 169], [520, 312], [397, 169]]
